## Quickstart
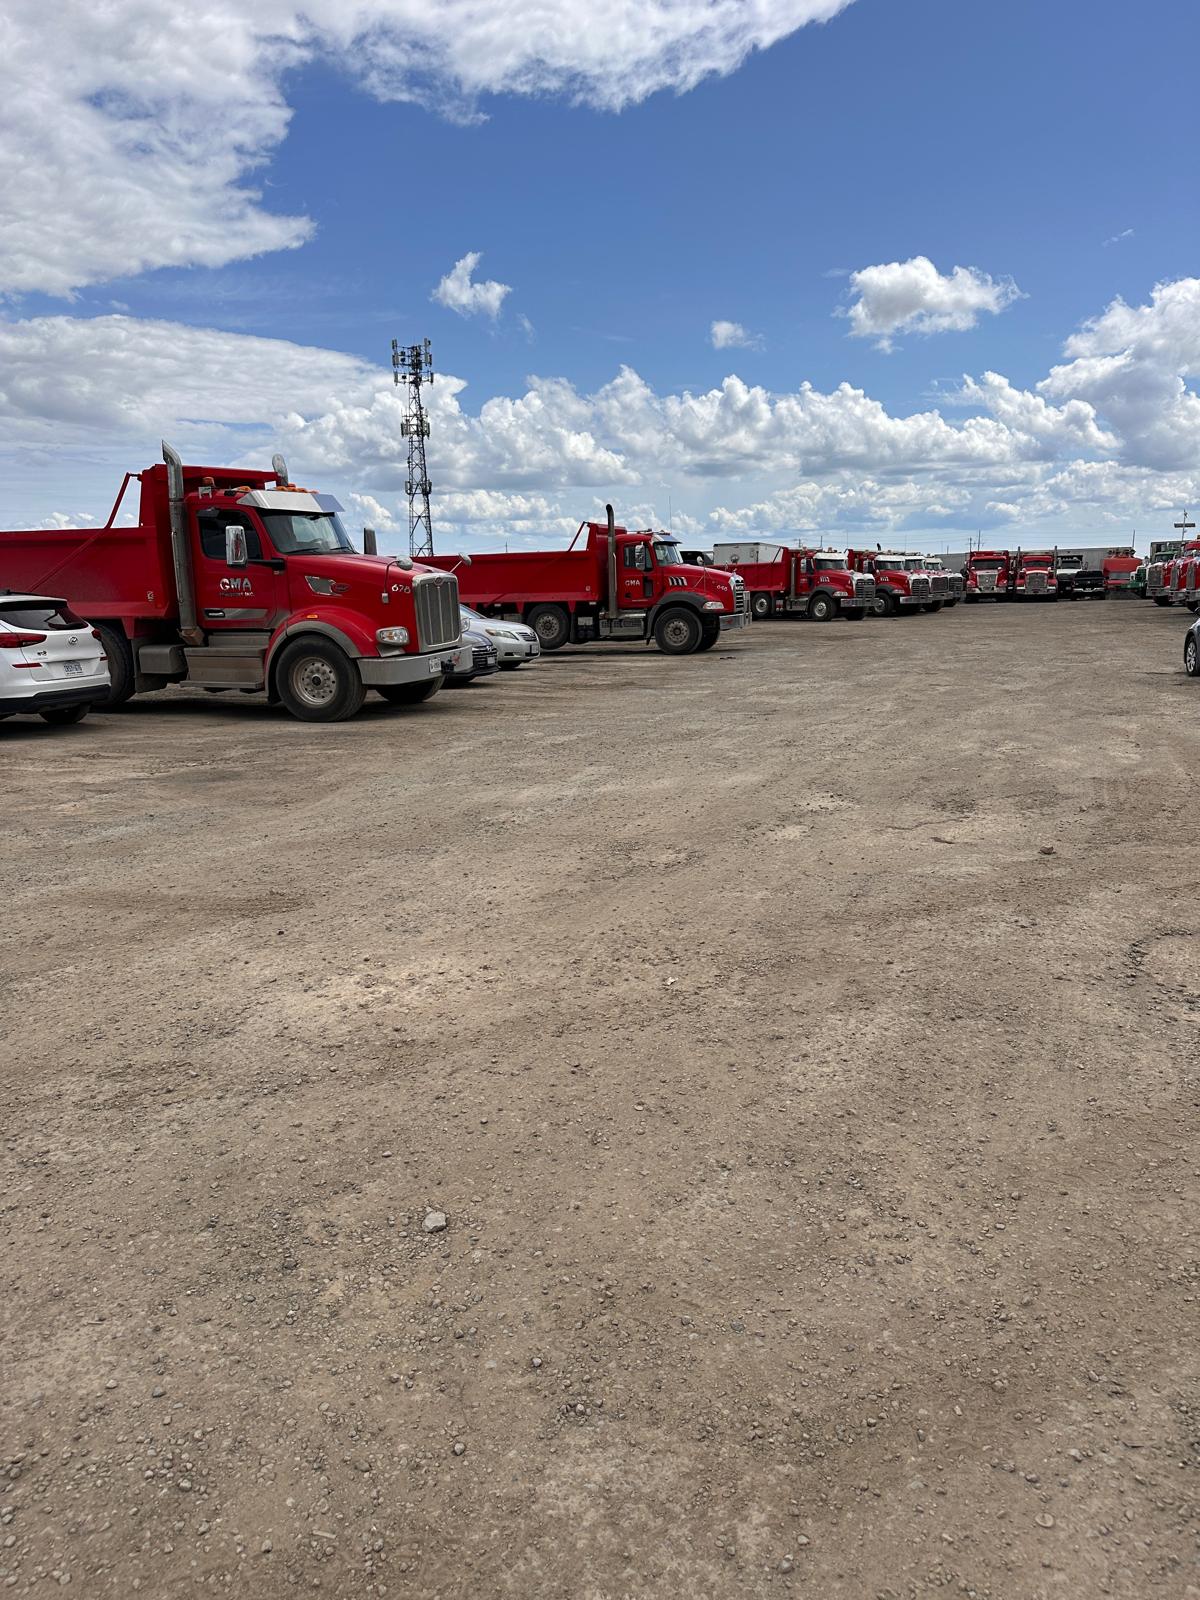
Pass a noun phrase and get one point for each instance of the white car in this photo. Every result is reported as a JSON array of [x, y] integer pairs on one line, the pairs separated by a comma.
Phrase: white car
[[51, 661], [515, 643]]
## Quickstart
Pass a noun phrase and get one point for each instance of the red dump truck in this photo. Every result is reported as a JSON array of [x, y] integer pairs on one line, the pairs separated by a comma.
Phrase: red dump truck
[[901, 582], [782, 581], [988, 575], [240, 580], [1034, 575], [616, 584]]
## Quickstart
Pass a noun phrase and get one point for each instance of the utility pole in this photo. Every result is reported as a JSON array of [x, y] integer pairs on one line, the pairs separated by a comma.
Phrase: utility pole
[[1183, 528], [412, 365]]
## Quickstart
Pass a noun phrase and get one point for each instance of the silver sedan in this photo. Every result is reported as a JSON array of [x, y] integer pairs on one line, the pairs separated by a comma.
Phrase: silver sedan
[[515, 643]]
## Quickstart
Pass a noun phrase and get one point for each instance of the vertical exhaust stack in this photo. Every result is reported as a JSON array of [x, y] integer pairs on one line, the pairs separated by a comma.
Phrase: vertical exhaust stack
[[613, 608], [370, 544], [279, 468], [181, 555]]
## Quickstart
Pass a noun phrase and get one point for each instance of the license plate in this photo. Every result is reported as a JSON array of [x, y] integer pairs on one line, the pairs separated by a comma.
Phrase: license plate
[[74, 669], [436, 666]]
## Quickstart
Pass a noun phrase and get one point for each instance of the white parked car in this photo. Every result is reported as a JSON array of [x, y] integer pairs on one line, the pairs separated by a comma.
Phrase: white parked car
[[51, 661], [515, 643]]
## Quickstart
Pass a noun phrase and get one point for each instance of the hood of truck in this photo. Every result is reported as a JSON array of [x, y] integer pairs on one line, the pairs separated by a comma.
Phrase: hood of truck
[[715, 582], [373, 585]]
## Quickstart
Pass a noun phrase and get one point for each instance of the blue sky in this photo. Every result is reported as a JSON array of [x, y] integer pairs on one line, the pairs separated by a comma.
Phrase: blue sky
[[1040, 147]]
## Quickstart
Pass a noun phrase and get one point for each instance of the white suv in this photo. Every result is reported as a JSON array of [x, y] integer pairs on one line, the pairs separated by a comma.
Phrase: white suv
[[51, 661]]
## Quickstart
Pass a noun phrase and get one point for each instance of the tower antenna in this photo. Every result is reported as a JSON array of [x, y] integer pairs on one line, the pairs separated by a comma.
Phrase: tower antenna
[[412, 365]]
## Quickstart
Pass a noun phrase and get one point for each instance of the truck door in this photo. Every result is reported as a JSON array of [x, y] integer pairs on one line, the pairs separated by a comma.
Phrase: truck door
[[637, 585], [228, 599]]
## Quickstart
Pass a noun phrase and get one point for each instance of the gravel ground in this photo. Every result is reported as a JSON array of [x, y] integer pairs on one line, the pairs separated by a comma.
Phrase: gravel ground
[[798, 1040]]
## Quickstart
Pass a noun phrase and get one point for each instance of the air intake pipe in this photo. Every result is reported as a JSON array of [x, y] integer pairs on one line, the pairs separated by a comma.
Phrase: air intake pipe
[[181, 555], [613, 608]]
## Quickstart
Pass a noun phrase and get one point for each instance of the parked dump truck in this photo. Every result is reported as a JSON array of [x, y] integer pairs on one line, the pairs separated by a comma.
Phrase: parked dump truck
[[785, 581], [616, 584], [944, 585], [1076, 580], [1032, 575], [899, 586], [1118, 568], [240, 580], [1160, 570], [988, 575]]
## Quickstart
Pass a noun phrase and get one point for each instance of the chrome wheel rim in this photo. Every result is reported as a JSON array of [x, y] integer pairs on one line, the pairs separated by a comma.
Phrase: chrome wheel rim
[[314, 682], [677, 631], [1189, 656]]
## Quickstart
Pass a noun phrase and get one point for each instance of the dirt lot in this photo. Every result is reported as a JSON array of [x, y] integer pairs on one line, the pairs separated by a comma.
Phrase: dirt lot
[[800, 1041]]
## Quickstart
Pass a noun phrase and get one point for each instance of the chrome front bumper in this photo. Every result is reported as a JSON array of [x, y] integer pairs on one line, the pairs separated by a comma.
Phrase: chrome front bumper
[[383, 671], [734, 619]]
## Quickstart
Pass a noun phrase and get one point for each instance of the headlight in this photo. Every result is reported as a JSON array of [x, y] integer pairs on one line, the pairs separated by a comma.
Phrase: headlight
[[713, 605], [391, 636], [500, 633]]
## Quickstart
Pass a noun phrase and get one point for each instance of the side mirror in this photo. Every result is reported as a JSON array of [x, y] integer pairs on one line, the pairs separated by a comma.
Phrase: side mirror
[[405, 563], [370, 543], [236, 553], [464, 561]]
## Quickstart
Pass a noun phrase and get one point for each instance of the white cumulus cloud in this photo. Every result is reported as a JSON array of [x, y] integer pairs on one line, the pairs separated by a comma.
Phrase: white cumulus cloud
[[459, 292], [914, 297], [732, 336], [150, 122], [1108, 441]]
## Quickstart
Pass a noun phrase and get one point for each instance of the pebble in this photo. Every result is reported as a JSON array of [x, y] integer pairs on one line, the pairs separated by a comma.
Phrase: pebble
[[1046, 850], [435, 1221], [786, 1564], [267, 1547], [1044, 1519], [111, 1384], [460, 1448], [157, 1392], [537, 1361]]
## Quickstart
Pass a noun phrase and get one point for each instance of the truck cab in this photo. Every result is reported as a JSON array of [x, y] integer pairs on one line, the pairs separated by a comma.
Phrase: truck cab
[[783, 580], [899, 587], [944, 585], [1035, 578], [987, 575]]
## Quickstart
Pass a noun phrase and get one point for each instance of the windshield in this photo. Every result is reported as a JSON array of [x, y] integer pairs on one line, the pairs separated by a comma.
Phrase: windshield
[[914, 564], [987, 566], [932, 564], [829, 563], [889, 564], [666, 553], [296, 533]]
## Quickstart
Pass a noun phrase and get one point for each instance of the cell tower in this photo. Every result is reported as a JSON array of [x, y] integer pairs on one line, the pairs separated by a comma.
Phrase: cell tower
[[413, 365]]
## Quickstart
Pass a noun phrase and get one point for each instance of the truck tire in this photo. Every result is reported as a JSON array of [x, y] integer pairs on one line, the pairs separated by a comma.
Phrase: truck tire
[[120, 664], [1161, 600], [410, 694], [709, 636], [678, 632], [761, 606], [317, 681], [552, 624], [822, 608], [883, 605]]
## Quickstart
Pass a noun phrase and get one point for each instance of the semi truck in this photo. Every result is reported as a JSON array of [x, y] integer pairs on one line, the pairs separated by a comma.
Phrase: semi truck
[[944, 585], [239, 580], [899, 587], [785, 581], [1160, 570], [610, 583], [1033, 575], [987, 575]]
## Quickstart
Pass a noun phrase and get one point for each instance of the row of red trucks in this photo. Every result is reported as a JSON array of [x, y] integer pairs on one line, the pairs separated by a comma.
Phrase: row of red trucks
[[242, 580], [1045, 575], [784, 580], [1173, 575]]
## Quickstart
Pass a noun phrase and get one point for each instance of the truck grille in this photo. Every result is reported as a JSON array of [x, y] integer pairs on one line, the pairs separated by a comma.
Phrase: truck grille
[[741, 600], [1035, 583], [986, 582], [864, 588], [920, 588], [940, 583], [954, 579], [435, 596], [1154, 578]]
